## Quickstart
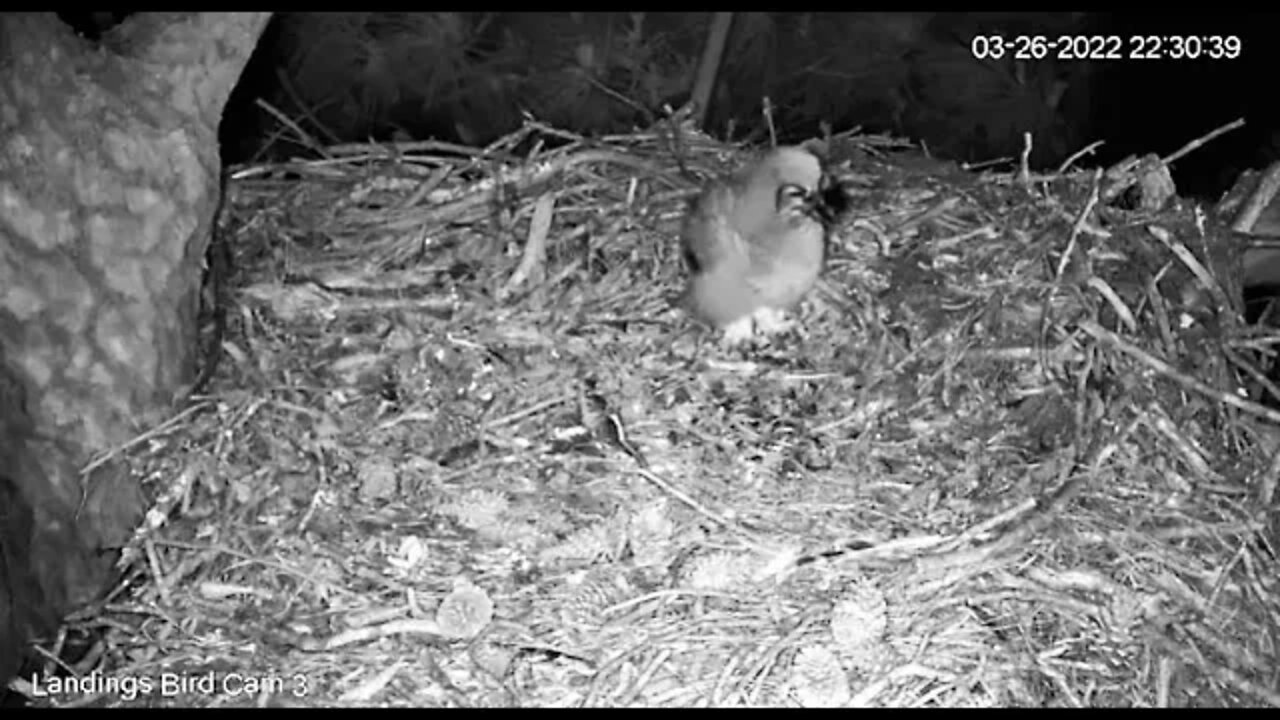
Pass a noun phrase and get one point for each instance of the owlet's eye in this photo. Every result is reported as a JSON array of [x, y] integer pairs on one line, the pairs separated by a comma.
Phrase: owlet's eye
[[791, 197]]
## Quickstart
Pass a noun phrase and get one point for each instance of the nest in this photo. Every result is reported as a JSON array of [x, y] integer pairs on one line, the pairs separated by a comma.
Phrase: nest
[[461, 450]]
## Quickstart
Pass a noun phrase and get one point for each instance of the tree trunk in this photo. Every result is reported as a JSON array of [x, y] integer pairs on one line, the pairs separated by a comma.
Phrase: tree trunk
[[705, 84], [109, 181]]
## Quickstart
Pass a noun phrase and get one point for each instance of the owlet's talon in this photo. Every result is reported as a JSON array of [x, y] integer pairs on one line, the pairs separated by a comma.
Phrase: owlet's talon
[[771, 321], [738, 331]]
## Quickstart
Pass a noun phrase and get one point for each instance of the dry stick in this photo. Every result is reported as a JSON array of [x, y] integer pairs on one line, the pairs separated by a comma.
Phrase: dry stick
[[674, 120], [432, 182], [511, 140], [1258, 200], [697, 507], [522, 179], [554, 132], [1254, 373], [1076, 226], [1194, 266], [276, 565], [655, 663], [1086, 150], [105, 456], [535, 247], [301, 135], [1100, 333], [605, 669], [1128, 176], [1024, 165], [1221, 674], [365, 691], [649, 118], [769, 658], [1200, 141], [307, 110], [407, 149], [766, 107]]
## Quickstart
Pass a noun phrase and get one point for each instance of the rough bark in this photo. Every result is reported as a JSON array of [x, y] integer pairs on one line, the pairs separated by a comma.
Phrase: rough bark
[[108, 186]]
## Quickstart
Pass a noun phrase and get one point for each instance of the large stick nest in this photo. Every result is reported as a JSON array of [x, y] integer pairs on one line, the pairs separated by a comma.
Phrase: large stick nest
[[462, 451]]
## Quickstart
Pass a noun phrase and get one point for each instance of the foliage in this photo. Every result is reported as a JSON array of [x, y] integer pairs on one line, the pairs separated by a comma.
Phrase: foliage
[[472, 77]]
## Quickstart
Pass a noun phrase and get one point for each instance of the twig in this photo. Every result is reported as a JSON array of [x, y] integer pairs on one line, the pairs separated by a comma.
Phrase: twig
[[649, 118], [522, 179], [1259, 199], [767, 109], [1104, 335], [1200, 141], [1024, 164], [1086, 150], [302, 136], [675, 120], [535, 247], [1077, 225], [1202, 274]]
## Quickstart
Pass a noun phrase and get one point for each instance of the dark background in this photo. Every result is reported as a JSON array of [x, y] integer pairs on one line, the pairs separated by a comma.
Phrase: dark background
[[473, 77]]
